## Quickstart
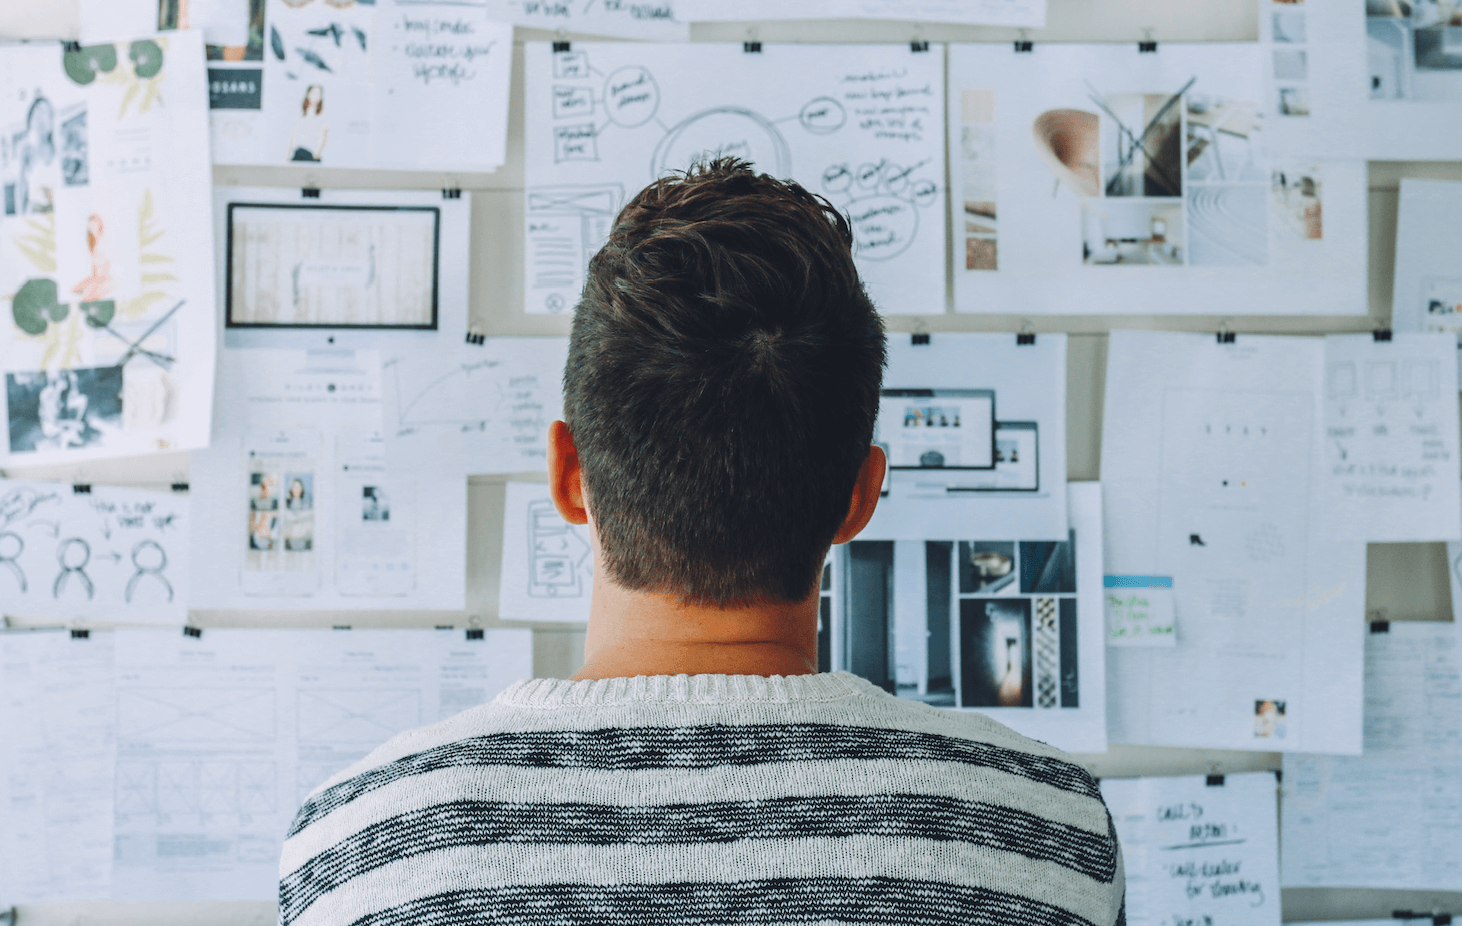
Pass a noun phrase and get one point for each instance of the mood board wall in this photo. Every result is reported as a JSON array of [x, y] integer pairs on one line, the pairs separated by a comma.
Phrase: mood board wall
[[1403, 581]]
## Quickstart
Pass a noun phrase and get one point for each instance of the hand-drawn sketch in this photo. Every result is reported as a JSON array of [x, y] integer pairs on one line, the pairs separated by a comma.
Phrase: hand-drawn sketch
[[648, 20], [862, 132], [1130, 159], [369, 716], [103, 255], [110, 554], [547, 565]]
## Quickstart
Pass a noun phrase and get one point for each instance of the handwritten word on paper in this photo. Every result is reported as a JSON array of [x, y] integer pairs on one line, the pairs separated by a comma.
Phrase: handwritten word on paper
[[1139, 610], [441, 48]]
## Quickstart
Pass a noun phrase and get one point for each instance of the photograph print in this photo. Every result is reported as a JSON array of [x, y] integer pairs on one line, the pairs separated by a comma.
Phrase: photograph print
[[1414, 48]]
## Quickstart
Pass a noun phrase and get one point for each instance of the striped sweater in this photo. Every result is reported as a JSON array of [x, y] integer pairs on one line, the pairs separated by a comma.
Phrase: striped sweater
[[705, 799]]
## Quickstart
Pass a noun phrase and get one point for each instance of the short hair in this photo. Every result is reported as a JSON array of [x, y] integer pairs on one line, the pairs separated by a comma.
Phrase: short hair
[[721, 386]]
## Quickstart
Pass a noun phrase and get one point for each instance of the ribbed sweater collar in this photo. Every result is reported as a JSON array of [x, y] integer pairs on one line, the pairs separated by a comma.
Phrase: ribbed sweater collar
[[684, 689]]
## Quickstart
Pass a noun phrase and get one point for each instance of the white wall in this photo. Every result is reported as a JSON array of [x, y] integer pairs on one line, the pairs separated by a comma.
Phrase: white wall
[[1404, 581]]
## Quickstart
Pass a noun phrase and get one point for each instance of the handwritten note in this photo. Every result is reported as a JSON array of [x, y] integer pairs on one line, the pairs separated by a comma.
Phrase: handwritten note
[[648, 20], [1389, 449], [443, 67], [1140, 611], [1198, 851]]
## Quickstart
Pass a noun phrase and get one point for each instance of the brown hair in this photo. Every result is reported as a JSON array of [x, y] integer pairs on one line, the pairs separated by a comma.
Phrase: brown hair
[[721, 385], [319, 104]]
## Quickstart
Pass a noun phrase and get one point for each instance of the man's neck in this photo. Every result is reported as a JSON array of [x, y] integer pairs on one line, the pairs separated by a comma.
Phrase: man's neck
[[647, 633]]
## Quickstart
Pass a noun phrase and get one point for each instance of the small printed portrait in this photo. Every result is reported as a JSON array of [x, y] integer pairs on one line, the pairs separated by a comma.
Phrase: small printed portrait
[[263, 493], [310, 133], [261, 529], [1269, 720], [374, 505], [299, 493], [299, 530]]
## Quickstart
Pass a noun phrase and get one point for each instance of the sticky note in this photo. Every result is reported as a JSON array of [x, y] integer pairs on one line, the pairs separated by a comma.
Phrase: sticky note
[[1139, 610]]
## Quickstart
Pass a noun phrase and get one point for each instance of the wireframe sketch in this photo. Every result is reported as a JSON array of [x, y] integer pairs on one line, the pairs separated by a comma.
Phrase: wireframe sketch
[[1413, 49], [196, 714], [185, 786], [559, 560], [604, 121], [365, 716], [327, 267]]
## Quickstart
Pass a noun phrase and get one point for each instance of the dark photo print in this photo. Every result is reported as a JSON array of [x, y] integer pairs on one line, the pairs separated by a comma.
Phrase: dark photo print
[[63, 409], [995, 652]]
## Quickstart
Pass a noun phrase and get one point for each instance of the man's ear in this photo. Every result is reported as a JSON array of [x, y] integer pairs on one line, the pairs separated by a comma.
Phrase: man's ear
[[565, 484], [865, 495]]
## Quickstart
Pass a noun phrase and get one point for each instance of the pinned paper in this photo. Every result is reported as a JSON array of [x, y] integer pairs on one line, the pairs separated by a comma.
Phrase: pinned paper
[[1140, 611]]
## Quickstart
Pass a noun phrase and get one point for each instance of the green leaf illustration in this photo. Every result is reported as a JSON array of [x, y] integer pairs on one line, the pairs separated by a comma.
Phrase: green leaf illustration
[[98, 314], [82, 66], [32, 303], [146, 58]]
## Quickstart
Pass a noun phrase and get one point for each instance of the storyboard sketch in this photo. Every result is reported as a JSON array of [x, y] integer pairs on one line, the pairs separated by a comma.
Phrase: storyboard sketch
[[1389, 452], [295, 505], [974, 428], [220, 738], [859, 124], [1198, 849], [92, 552], [547, 566], [1011, 628], [1027, 13], [1209, 477], [1426, 294], [56, 708], [343, 269], [648, 20], [389, 84], [483, 406], [1374, 79], [107, 344], [1100, 179], [1387, 818]]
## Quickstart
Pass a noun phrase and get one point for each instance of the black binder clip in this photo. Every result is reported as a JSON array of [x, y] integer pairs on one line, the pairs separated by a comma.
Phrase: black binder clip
[[919, 340], [194, 632], [452, 193], [70, 46], [1146, 47], [340, 627], [917, 47], [1214, 781], [80, 634], [1225, 337], [81, 488], [751, 48], [474, 633], [1381, 334], [1380, 626], [560, 47], [1025, 338], [1023, 46], [475, 337], [1441, 919], [310, 192], [179, 487]]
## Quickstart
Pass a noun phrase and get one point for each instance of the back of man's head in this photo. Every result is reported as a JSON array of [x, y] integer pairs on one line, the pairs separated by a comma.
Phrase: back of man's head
[[721, 386]]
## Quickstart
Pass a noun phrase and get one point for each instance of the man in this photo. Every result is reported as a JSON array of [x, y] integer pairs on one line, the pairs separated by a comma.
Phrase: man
[[720, 393]]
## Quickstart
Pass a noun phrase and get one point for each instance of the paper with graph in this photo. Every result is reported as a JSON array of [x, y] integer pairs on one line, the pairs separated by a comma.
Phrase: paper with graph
[[1210, 477], [107, 323], [296, 506], [1100, 179], [94, 552], [1389, 450], [859, 124], [56, 700], [1376, 79], [221, 737], [480, 406], [547, 566]]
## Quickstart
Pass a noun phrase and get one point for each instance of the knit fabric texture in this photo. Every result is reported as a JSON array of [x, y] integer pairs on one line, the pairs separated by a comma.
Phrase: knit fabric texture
[[723, 799]]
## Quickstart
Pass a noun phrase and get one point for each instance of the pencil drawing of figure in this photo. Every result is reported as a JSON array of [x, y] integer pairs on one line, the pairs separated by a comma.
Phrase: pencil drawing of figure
[[150, 559], [73, 555], [11, 546], [308, 137], [99, 284]]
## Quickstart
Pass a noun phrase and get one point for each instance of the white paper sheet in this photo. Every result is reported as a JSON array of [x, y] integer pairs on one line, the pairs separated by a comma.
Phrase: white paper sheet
[[1388, 818], [1029, 13], [107, 342], [220, 738], [295, 506], [394, 84], [946, 472], [1056, 208], [1208, 468], [474, 408], [859, 124], [1198, 853], [650, 20], [547, 566], [1427, 292], [109, 554], [1364, 78], [1010, 627], [56, 701], [1390, 446]]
